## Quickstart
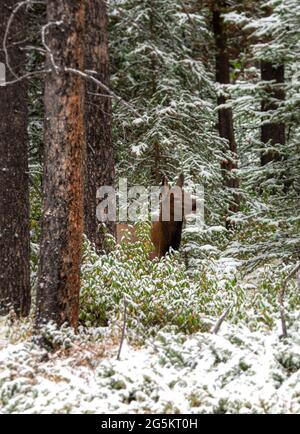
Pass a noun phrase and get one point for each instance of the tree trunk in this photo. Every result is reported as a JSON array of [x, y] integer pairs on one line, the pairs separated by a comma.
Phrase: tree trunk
[[225, 119], [100, 163], [156, 172], [156, 150], [272, 133], [14, 179], [62, 222]]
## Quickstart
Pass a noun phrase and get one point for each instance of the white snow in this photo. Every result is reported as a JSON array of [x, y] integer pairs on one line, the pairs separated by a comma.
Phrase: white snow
[[237, 371]]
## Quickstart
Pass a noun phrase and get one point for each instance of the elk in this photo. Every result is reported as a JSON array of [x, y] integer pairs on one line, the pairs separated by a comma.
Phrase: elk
[[166, 232]]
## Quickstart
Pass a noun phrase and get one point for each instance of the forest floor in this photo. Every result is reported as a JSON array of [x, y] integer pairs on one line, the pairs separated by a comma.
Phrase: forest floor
[[236, 371]]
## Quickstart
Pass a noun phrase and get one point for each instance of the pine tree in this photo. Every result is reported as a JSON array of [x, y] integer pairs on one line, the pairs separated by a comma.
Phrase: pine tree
[[272, 134], [100, 164], [62, 225], [225, 117], [14, 185], [268, 79], [158, 50]]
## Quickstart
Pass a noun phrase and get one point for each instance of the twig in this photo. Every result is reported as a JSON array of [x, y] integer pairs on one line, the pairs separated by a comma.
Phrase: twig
[[123, 330], [10, 20], [32, 48], [9, 23], [88, 75], [25, 77], [84, 75], [100, 94], [214, 330], [281, 299]]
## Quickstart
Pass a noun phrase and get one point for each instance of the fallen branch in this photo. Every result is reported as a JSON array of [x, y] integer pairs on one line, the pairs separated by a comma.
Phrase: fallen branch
[[214, 330], [123, 330], [281, 299]]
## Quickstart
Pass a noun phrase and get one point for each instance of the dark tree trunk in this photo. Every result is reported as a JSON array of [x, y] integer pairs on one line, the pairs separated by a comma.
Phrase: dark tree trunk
[[100, 164], [156, 172], [62, 223], [156, 151], [225, 119], [14, 179], [272, 133]]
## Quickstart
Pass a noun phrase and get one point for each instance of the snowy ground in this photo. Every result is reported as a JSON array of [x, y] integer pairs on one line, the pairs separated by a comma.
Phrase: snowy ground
[[234, 372]]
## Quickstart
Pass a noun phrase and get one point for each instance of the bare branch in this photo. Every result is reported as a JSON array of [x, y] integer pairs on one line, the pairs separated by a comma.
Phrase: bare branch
[[281, 299], [215, 329], [10, 20], [7, 30], [103, 86], [82, 74], [25, 77], [88, 75], [100, 94], [44, 28], [32, 48]]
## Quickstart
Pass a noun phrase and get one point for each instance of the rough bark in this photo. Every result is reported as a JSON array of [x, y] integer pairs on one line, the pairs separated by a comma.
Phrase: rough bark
[[62, 222], [272, 133], [225, 118], [100, 163], [14, 183]]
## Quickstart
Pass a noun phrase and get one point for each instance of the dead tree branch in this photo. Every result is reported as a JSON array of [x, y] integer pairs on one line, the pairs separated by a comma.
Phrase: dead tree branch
[[88, 75], [25, 77], [111, 94], [44, 28], [7, 30], [82, 74]]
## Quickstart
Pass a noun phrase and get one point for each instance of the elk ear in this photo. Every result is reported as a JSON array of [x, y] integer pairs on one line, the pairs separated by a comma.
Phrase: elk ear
[[164, 188], [165, 182], [180, 180]]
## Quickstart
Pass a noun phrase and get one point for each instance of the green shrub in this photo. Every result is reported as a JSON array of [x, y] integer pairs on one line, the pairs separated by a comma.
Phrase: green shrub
[[158, 293], [162, 293]]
